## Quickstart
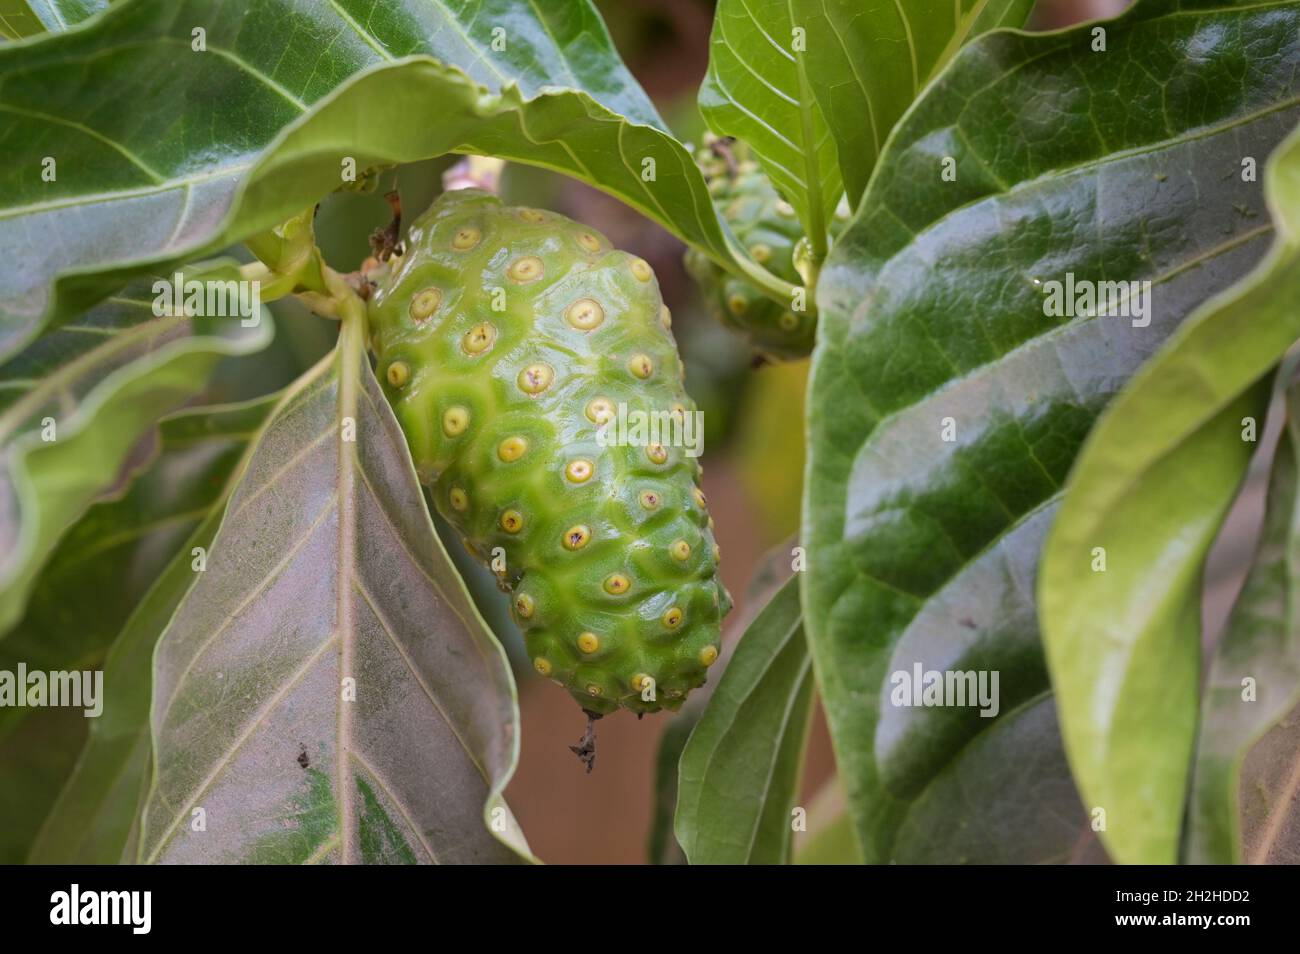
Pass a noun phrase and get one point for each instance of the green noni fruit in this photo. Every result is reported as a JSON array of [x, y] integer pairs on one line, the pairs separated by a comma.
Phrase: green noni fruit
[[506, 337], [767, 226]]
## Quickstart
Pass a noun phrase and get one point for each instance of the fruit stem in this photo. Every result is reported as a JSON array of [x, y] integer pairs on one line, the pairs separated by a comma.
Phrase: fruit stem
[[740, 265]]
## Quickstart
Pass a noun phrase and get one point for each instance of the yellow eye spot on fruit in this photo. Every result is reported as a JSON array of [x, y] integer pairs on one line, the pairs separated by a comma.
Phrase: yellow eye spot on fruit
[[399, 372], [616, 584], [681, 550], [641, 366], [711, 527], [532, 215], [672, 618], [760, 253], [737, 304], [641, 270], [465, 238], [542, 665], [641, 680], [585, 314], [717, 553], [788, 321], [525, 270], [784, 209], [512, 521], [578, 471], [665, 317], [656, 453], [709, 655], [698, 494], [588, 241], [424, 304], [454, 421], [512, 448], [600, 410], [536, 378], [524, 606], [577, 537], [588, 642], [479, 338], [458, 499], [650, 499]]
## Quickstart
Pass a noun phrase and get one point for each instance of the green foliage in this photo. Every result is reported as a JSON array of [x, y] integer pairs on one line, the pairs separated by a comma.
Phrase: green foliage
[[1137, 625], [76, 404], [275, 126], [292, 659], [1240, 808], [922, 550], [872, 58], [736, 787]]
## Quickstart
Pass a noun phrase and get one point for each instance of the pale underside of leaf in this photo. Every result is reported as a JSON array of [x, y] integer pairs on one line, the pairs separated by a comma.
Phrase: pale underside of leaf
[[166, 186], [326, 691]]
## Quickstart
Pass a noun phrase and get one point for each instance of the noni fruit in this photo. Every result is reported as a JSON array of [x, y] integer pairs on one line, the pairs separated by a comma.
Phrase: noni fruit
[[533, 370]]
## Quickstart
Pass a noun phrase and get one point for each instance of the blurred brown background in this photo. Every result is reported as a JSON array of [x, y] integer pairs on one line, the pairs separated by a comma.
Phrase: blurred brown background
[[753, 463]]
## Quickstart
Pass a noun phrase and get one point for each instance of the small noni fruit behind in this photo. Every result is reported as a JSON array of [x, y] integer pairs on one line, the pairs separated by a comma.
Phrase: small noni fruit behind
[[505, 338], [767, 226]]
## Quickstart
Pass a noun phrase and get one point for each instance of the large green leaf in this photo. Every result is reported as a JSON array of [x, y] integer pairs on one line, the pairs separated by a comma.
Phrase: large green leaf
[[96, 387], [740, 772], [1122, 165], [326, 692], [1152, 486], [1248, 717], [236, 141], [119, 547], [93, 820], [758, 89], [871, 58]]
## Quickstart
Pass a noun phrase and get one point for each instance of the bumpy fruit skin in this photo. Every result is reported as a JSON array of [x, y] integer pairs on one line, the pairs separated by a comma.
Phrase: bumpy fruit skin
[[769, 229], [608, 550]]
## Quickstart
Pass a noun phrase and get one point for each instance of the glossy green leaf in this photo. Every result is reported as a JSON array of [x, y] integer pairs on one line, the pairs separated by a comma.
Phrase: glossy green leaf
[[270, 118], [871, 58], [758, 89], [1124, 644], [75, 404], [740, 771], [172, 503], [1252, 692], [1110, 166], [326, 692]]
